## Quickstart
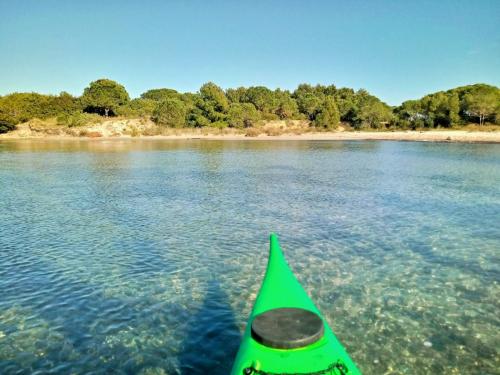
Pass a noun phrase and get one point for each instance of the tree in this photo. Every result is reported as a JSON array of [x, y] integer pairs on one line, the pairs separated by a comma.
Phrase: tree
[[347, 103], [171, 113], [447, 108], [64, 103], [213, 94], [20, 107], [286, 106], [328, 116], [372, 112], [138, 107], [483, 103], [309, 100], [242, 115], [261, 97], [104, 96], [236, 95], [453, 109], [409, 115], [195, 118], [209, 107], [160, 94]]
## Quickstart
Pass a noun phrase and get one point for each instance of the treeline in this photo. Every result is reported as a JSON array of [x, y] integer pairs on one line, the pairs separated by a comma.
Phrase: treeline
[[324, 107]]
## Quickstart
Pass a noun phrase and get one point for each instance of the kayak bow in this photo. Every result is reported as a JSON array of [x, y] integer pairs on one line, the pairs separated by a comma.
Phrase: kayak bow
[[286, 333]]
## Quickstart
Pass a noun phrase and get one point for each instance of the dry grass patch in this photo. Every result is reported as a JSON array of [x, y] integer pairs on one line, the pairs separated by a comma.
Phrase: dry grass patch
[[47, 126], [273, 132], [93, 134], [253, 132], [481, 128], [152, 131]]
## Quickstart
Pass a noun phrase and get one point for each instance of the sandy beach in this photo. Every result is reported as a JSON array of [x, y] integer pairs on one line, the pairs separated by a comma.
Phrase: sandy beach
[[274, 130], [429, 136], [459, 136]]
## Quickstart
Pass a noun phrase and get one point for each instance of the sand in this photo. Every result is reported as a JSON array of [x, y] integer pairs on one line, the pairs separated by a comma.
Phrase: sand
[[123, 129]]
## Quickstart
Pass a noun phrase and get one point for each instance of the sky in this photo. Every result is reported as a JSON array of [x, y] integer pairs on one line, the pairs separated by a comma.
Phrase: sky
[[397, 50]]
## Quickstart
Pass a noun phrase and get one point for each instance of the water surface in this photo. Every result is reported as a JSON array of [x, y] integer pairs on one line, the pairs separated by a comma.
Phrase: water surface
[[141, 256]]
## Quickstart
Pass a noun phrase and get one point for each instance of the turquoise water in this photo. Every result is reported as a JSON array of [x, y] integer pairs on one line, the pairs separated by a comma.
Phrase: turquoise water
[[145, 256]]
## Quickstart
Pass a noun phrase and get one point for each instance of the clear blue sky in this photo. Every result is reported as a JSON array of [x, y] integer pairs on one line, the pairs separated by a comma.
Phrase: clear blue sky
[[397, 50]]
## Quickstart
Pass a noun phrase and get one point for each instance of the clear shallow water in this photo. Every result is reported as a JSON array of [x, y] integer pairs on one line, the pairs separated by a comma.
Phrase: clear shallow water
[[145, 256]]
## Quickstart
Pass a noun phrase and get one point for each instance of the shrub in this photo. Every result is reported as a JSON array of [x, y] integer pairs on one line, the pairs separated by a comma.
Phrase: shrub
[[6, 126], [134, 132], [151, 131], [137, 108], [252, 132], [219, 125], [78, 119], [274, 131]]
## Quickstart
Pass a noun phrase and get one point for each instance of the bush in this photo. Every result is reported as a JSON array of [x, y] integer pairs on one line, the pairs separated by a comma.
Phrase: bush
[[152, 131], [137, 108], [252, 132], [78, 119], [274, 131], [219, 125], [6, 126]]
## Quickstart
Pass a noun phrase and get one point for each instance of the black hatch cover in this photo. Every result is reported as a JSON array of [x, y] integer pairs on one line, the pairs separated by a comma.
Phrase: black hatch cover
[[287, 328]]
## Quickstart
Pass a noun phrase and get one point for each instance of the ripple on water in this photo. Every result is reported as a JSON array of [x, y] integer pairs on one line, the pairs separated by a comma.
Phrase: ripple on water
[[146, 257]]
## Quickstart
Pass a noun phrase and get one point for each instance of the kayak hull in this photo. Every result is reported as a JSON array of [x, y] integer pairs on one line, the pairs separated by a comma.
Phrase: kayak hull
[[280, 289]]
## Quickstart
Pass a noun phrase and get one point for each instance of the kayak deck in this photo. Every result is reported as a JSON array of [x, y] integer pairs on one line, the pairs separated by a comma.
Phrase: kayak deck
[[280, 290]]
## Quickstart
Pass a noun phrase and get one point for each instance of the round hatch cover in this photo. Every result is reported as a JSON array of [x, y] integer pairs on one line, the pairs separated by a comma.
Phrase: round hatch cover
[[287, 328]]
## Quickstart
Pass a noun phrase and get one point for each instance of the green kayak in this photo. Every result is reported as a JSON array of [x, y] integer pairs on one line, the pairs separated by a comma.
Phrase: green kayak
[[286, 333]]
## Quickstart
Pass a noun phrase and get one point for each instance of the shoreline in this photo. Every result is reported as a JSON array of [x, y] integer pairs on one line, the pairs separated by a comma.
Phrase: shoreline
[[448, 136]]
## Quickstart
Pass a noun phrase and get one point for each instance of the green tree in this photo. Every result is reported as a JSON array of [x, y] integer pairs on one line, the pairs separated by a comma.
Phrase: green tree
[[242, 115], [453, 109], [210, 106], [447, 108], [215, 96], [159, 95], [196, 119], [309, 100], [104, 96], [347, 103], [328, 115], [170, 113], [138, 107], [330, 90], [21, 107], [372, 112], [286, 106], [409, 115], [261, 97], [236, 95], [483, 103], [64, 103]]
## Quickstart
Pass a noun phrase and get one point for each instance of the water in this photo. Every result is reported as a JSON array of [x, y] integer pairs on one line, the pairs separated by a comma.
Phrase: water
[[145, 256]]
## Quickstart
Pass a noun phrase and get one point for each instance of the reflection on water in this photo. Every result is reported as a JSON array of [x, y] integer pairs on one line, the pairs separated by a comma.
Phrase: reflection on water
[[145, 256]]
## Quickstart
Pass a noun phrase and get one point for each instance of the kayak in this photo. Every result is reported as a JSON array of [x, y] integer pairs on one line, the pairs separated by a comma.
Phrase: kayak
[[286, 333]]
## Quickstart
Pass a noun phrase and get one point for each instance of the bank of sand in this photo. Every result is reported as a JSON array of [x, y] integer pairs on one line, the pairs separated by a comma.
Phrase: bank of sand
[[135, 129], [428, 136]]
